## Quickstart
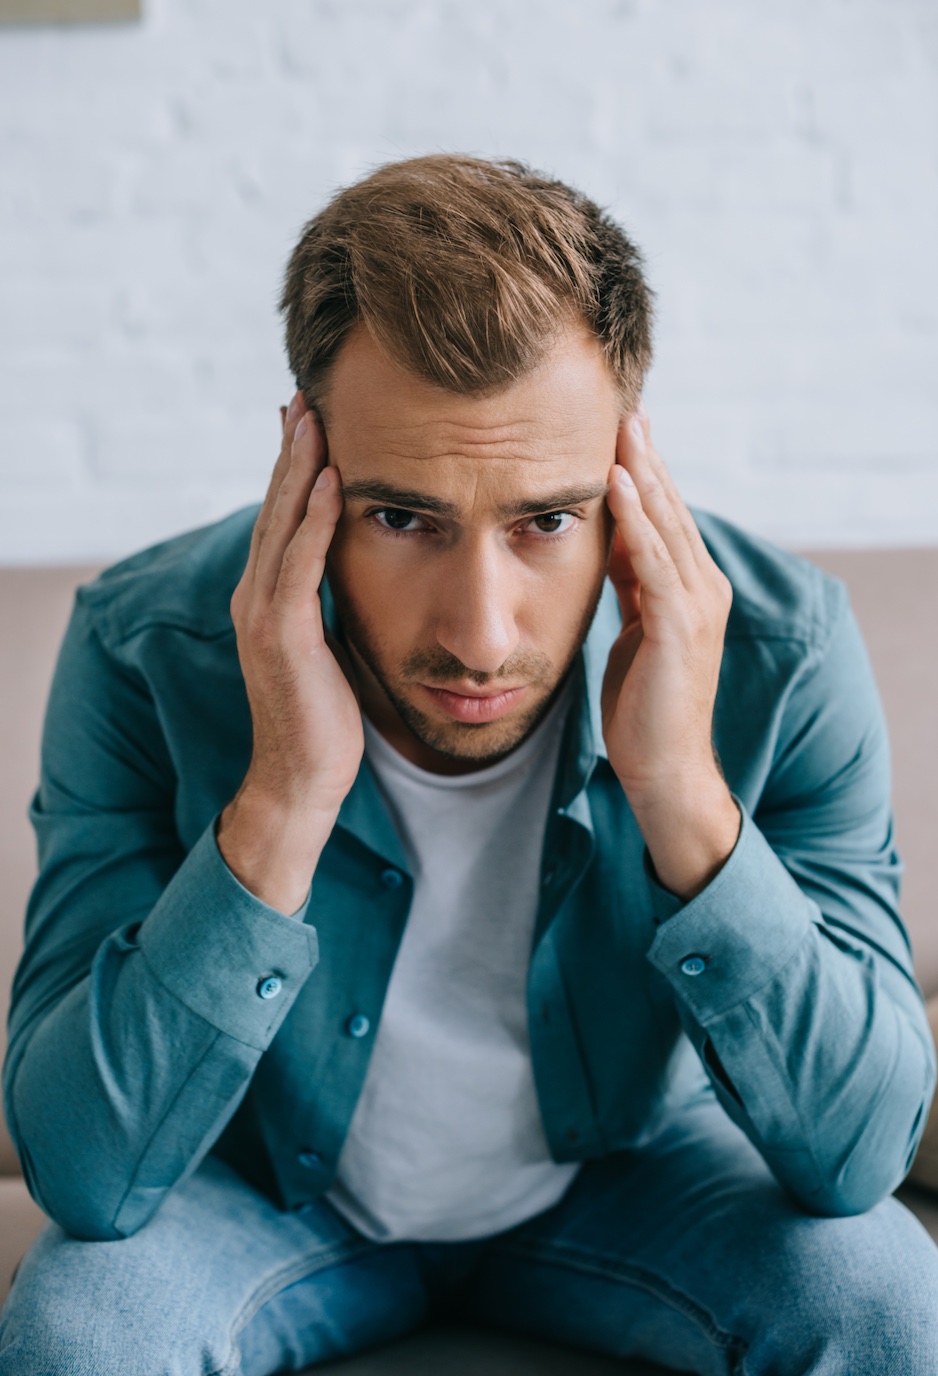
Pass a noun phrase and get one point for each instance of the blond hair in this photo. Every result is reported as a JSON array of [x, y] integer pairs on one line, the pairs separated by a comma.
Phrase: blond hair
[[464, 270]]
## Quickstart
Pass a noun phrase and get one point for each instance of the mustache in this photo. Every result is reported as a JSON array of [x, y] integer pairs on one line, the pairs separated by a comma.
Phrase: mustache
[[438, 666]]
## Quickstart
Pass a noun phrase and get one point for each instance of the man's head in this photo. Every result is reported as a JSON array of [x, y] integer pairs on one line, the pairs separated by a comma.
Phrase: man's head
[[463, 270], [471, 336]]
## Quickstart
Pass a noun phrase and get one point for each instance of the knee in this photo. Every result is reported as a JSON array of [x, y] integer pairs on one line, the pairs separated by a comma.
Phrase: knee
[[76, 1308], [858, 1294], [887, 1323]]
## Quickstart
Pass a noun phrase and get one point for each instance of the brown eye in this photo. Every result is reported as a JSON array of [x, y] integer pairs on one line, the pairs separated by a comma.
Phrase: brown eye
[[551, 522]]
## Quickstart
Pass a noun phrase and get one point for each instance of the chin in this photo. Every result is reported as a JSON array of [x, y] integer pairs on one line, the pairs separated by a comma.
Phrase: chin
[[479, 744]]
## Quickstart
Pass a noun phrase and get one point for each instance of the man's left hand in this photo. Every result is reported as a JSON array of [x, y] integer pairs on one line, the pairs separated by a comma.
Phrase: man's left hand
[[661, 679]]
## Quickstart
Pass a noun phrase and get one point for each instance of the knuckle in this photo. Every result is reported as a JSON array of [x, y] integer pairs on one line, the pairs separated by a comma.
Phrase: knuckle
[[655, 490], [290, 564], [294, 574], [721, 590], [663, 557], [698, 618], [260, 629]]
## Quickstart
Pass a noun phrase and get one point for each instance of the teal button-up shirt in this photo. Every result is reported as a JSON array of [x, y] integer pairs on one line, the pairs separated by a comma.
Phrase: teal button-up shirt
[[160, 1011]]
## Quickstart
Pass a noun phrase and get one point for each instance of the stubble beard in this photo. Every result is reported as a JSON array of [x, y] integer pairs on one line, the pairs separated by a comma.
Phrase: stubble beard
[[479, 742]]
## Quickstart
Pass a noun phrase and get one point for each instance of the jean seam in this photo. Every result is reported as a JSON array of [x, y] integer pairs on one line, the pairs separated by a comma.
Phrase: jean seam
[[590, 1263], [279, 1279]]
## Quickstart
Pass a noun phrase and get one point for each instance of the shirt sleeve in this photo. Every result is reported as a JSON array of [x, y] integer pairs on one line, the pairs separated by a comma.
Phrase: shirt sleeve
[[151, 981], [792, 970]]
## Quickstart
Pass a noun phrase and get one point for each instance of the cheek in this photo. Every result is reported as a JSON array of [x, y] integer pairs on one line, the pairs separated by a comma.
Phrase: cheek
[[588, 564], [557, 597], [358, 562], [385, 596]]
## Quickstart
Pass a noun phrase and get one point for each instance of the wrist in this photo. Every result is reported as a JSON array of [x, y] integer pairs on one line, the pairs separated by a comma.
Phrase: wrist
[[690, 833], [271, 849]]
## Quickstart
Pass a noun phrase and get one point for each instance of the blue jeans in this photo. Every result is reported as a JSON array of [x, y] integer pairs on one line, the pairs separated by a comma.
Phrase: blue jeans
[[686, 1252]]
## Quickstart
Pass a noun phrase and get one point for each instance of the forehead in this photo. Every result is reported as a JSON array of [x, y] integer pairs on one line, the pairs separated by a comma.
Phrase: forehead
[[556, 424]]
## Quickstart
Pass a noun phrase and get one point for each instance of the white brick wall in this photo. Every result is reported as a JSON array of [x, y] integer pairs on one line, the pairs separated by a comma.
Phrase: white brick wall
[[777, 162]]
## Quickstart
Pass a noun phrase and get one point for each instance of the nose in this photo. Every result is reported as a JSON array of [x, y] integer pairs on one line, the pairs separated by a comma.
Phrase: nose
[[476, 606]]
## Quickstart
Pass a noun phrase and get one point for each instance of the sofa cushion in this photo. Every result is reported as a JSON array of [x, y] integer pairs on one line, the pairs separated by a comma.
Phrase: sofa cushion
[[20, 1222], [893, 594], [924, 1172], [34, 609], [472, 1352]]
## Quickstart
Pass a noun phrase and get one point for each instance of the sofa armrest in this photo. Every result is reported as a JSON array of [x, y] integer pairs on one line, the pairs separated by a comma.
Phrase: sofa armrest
[[9, 1164], [924, 1170]]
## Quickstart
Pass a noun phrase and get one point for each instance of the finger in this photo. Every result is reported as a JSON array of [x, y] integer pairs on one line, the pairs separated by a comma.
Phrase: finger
[[304, 559], [689, 526], [307, 458], [290, 419], [648, 554], [659, 497], [625, 581]]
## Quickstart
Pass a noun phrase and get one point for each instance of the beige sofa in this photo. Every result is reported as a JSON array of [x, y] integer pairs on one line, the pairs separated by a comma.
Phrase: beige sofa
[[894, 593]]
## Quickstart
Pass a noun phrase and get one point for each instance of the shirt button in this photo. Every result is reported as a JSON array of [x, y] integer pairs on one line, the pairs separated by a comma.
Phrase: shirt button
[[269, 987], [694, 965], [358, 1025], [392, 879], [312, 1159]]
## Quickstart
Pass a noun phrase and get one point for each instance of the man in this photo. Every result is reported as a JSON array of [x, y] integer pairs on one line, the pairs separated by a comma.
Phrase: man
[[429, 922]]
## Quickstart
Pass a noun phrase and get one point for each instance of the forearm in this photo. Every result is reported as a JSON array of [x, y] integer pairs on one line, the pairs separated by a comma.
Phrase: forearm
[[115, 1089], [837, 1115], [823, 1040]]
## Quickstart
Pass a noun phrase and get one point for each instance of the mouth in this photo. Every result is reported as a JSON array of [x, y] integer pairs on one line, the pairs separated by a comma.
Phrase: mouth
[[477, 707]]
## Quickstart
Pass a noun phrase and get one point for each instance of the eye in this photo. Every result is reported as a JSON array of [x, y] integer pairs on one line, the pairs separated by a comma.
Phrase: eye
[[554, 522], [395, 518]]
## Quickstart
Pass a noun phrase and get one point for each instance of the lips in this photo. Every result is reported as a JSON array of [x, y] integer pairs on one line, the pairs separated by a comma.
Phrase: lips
[[476, 707]]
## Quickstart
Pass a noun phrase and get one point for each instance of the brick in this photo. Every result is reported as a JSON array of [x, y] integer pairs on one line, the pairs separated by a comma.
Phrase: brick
[[775, 163]]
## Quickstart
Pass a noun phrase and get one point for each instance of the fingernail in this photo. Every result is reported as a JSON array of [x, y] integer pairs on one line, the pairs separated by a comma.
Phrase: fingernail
[[323, 479], [301, 428], [624, 477], [296, 405], [638, 434]]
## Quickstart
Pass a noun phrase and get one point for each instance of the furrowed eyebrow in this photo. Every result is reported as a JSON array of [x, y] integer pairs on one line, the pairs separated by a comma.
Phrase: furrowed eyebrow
[[554, 501], [399, 496], [409, 500]]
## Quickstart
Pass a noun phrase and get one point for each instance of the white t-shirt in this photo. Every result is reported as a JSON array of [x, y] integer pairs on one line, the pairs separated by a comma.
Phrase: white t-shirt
[[446, 1141]]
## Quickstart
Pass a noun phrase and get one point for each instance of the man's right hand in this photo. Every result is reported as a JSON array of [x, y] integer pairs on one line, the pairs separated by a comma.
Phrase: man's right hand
[[308, 738]]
